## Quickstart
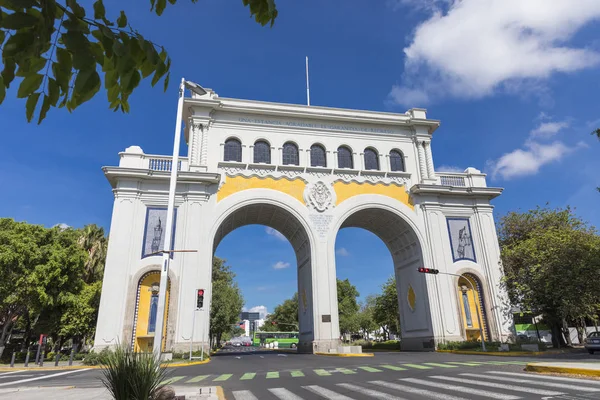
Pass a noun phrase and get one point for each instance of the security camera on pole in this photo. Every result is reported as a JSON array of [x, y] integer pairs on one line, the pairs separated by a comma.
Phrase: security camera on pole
[[166, 252]]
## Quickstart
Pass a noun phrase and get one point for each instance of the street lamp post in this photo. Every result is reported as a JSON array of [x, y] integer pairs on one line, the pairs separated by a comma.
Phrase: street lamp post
[[166, 252], [435, 272]]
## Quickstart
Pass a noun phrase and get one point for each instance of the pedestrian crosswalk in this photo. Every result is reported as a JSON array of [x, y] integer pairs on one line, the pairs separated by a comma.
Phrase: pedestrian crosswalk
[[498, 385], [325, 372]]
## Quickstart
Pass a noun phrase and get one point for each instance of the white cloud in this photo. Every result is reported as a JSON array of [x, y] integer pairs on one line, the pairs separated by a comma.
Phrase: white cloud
[[528, 161], [262, 310], [62, 225], [449, 168], [472, 48], [342, 251], [281, 265], [275, 233], [549, 129]]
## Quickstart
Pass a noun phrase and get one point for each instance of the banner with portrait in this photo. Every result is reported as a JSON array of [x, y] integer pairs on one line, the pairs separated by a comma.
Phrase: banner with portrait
[[154, 231], [461, 239]]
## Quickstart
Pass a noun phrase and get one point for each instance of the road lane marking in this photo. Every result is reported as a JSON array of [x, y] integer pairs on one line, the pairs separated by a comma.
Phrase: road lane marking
[[421, 392], [499, 385], [417, 366], [346, 371], [247, 376], [369, 392], [222, 378], [198, 378], [44, 377], [370, 369], [553, 378], [393, 367], [326, 393], [463, 389], [244, 395], [18, 375], [172, 380], [322, 372], [11, 372], [534, 382], [297, 374], [441, 365], [284, 394], [463, 363], [271, 375]]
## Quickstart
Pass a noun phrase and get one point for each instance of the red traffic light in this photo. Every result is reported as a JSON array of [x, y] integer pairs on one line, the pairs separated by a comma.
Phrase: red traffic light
[[200, 292], [428, 271]]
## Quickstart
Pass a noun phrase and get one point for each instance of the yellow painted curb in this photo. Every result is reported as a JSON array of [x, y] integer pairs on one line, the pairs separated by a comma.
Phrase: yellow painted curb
[[346, 354], [177, 365], [562, 370], [494, 353], [220, 393]]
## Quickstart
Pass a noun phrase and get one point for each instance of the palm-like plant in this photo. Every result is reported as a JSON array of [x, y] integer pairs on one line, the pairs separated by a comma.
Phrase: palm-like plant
[[93, 241], [132, 376]]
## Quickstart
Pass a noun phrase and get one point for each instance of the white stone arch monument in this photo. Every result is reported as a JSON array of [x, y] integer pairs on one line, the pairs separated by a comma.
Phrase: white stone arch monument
[[426, 219]]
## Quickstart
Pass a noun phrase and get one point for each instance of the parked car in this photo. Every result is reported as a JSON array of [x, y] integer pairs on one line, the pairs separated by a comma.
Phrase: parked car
[[592, 343]]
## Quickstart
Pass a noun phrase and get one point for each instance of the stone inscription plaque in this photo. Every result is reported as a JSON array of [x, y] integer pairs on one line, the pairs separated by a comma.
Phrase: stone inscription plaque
[[321, 223]]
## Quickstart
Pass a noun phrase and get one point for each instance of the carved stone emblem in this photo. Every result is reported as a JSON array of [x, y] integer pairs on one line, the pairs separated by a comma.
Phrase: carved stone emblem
[[319, 195]]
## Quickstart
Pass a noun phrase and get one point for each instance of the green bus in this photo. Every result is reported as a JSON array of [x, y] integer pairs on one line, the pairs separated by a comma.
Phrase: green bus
[[283, 339]]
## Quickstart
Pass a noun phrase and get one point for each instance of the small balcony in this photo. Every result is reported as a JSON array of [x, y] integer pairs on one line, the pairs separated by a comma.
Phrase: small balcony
[[470, 178], [134, 157]]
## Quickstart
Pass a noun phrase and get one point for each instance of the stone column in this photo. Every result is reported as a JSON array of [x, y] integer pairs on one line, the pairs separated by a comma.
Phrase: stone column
[[422, 164], [429, 160], [194, 143]]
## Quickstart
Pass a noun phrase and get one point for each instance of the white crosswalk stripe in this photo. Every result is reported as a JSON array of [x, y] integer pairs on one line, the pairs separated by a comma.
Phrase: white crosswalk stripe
[[498, 385], [533, 381], [422, 392], [547, 377], [326, 393], [369, 392], [244, 395], [284, 394], [463, 389]]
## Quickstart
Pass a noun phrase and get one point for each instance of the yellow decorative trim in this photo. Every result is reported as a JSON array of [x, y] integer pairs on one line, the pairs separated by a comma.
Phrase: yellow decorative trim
[[345, 190], [411, 297], [234, 184], [346, 354]]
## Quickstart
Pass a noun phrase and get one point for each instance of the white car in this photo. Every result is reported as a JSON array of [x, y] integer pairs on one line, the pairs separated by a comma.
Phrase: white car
[[592, 343]]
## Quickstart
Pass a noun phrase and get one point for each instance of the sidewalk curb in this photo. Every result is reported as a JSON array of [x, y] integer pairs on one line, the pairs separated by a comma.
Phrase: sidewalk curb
[[494, 353], [561, 370], [345, 354]]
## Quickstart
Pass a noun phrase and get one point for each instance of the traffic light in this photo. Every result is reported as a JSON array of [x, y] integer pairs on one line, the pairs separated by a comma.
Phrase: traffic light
[[200, 298], [428, 271]]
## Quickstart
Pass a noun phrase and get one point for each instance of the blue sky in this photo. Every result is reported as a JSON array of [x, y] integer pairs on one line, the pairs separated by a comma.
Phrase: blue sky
[[514, 83]]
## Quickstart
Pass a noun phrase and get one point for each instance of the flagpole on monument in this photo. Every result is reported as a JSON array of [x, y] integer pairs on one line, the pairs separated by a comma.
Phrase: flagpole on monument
[[167, 251]]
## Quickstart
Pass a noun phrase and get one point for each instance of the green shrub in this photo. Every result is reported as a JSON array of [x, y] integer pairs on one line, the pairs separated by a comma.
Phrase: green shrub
[[132, 376], [93, 358]]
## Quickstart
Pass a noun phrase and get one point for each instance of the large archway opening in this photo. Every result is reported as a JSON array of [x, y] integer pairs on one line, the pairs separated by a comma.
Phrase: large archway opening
[[286, 225], [402, 242]]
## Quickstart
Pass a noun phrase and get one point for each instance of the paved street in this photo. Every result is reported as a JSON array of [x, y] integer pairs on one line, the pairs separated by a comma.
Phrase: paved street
[[254, 374]]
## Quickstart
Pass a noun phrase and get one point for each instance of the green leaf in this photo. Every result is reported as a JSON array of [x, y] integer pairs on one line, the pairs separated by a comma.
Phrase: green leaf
[[30, 65], [2, 90], [130, 81], [172, 1], [77, 9], [2, 37], [44, 109], [147, 68], [122, 20], [30, 105], [30, 84], [75, 41], [62, 76], [63, 57], [111, 79], [160, 71], [19, 20], [99, 10], [118, 48], [160, 6], [17, 5], [113, 93], [166, 84], [9, 71], [87, 85], [53, 91], [18, 44], [83, 60]]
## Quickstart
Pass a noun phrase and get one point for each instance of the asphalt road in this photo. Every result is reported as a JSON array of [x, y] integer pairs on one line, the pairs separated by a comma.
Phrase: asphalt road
[[250, 374]]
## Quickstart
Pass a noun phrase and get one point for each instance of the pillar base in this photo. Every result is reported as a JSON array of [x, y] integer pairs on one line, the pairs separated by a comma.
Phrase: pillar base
[[319, 346], [421, 343]]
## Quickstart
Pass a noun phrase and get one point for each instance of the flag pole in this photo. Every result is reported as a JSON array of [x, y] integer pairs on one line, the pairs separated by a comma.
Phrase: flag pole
[[307, 85]]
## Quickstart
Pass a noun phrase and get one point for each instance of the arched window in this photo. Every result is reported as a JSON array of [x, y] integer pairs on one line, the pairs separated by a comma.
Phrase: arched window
[[396, 161], [262, 152], [317, 156], [233, 150], [290, 154], [371, 159], [345, 157]]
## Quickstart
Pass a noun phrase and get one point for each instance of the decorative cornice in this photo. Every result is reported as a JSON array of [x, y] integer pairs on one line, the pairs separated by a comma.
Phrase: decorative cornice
[[485, 192], [113, 174]]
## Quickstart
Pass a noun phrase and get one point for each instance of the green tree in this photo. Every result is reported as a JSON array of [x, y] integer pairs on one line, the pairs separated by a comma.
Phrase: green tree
[[93, 241], [366, 318], [551, 260], [284, 317], [227, 301], [60, 48], [347, 307], [385, 310]]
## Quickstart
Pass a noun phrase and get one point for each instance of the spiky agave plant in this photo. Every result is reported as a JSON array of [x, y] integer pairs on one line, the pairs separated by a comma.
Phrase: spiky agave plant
[[132, 376]]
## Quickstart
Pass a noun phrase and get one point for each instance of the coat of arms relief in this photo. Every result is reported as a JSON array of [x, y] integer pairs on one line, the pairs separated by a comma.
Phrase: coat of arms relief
[[319, 195]]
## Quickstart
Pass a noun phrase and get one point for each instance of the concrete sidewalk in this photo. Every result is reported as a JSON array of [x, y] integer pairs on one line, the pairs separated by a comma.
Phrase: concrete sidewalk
[[74, 393], [591, 368]]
